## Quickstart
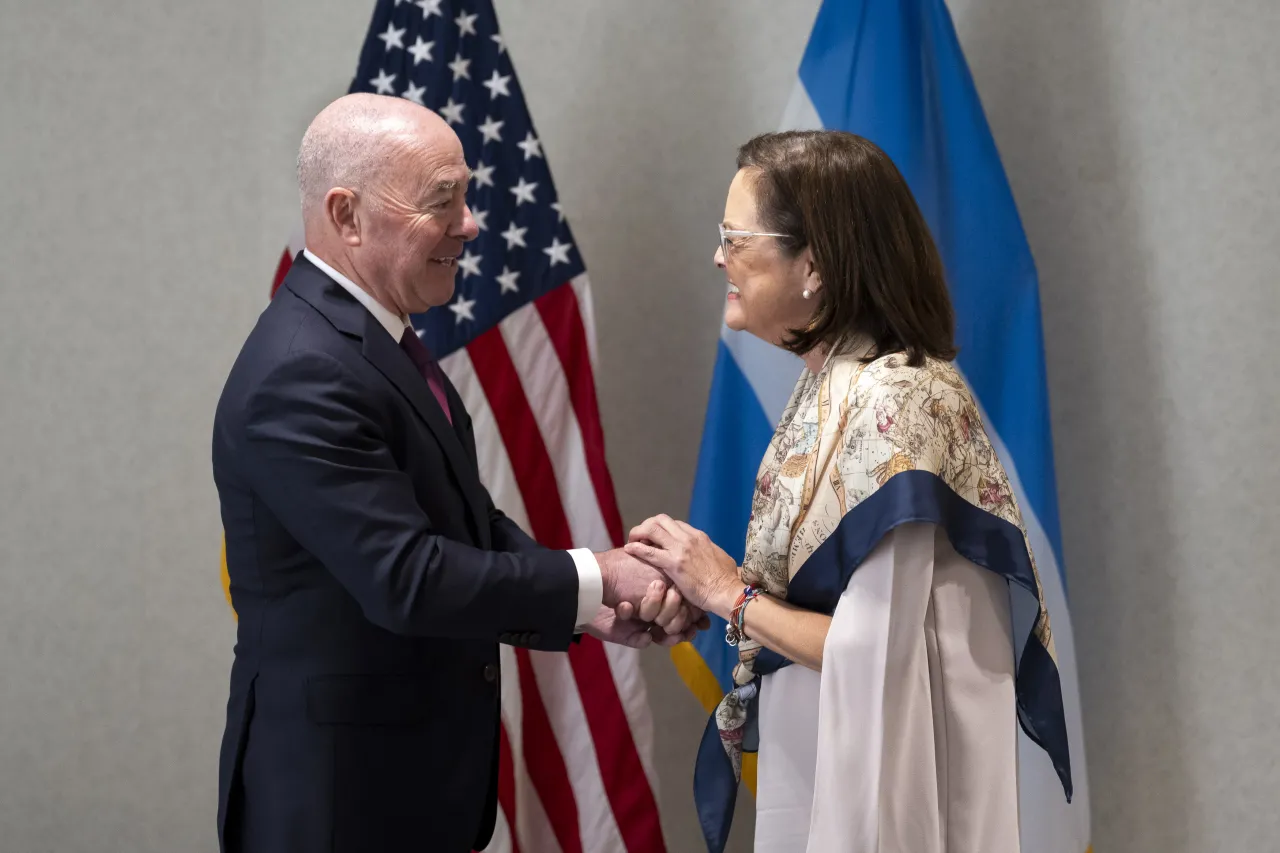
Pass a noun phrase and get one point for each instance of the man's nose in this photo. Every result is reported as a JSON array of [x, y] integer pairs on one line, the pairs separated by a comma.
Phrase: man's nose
[[467, 228]]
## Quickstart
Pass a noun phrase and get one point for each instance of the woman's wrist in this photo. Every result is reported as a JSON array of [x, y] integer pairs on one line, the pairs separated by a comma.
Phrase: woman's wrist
[[725, 598]]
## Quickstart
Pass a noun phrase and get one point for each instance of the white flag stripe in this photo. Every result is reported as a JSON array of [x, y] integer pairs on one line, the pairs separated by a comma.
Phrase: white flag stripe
[[511, 720], [544, 383], [770, 371], [501, 841], [495, 466], [569, 724], [800, 113], [582, 289], [625, 665], [532, 823]]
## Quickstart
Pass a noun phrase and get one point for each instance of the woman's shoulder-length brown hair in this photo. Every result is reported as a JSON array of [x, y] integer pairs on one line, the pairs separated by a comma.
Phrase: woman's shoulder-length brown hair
[[882, 278]]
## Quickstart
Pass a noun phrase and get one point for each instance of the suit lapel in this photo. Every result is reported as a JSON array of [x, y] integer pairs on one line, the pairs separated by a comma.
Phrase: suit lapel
[[384, 353]]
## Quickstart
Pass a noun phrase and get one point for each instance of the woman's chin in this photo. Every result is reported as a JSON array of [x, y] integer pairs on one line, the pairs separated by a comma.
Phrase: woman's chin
[[733, 316]]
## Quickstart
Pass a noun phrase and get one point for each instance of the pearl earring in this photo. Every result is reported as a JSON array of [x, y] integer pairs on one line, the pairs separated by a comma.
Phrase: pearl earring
[[806, 293]]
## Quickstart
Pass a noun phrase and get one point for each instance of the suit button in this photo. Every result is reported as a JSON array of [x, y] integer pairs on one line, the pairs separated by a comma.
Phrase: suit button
[[490, 672], [534, 638]]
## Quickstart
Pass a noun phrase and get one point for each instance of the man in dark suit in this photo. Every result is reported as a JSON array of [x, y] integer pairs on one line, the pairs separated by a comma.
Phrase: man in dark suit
[[372, 576]]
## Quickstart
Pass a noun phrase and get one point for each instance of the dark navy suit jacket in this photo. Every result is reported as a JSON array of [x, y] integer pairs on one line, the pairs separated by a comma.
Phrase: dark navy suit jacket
[[373, 580]]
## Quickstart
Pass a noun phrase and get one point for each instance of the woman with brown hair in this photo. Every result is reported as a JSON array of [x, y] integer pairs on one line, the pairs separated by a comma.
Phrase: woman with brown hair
[[885, 552]]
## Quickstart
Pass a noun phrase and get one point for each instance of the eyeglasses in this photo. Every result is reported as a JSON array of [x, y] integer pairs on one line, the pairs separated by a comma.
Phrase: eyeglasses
[[726, 233]]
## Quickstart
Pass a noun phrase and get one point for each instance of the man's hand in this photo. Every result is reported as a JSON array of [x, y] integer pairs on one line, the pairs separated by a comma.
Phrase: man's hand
[[666, 607], [626, 579], [639, 592], [610, 626]]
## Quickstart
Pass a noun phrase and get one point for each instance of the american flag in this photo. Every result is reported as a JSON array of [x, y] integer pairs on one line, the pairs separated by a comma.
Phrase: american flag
[[518, 340]]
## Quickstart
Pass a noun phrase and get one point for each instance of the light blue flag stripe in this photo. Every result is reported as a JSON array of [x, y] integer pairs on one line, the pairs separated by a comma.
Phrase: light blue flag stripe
[[942, 145], [736, 431]]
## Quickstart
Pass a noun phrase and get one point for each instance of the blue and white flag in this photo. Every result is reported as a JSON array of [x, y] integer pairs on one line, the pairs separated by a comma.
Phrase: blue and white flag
[[894, 73]]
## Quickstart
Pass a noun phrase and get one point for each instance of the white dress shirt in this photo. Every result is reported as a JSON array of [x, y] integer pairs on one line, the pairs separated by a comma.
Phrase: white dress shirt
[[590, 583]]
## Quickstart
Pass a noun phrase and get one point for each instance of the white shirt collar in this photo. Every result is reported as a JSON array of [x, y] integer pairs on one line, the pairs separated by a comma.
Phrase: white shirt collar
[[386, 318]]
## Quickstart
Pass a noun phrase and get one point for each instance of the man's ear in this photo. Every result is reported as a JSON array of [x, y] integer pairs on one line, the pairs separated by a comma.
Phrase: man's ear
[[343, 214]]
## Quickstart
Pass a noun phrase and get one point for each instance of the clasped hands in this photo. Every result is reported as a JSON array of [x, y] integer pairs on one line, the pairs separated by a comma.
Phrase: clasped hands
[[660, 586]]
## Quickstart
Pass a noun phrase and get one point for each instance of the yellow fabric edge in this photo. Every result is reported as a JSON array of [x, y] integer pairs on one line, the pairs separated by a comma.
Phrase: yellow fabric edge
[[226, 579], [705, 687]]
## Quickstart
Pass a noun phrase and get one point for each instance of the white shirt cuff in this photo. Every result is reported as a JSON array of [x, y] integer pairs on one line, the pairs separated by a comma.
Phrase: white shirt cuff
[[590, 586]]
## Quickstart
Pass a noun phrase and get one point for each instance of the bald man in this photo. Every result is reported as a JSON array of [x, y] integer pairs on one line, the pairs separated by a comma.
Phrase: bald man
[[372, 576]]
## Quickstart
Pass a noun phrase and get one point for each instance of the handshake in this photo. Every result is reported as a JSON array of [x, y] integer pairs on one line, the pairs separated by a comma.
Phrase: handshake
[[660, 586]]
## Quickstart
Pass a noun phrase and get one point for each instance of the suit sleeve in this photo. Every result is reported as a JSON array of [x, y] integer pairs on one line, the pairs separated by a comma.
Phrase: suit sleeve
[[316, 456], [507, 535]]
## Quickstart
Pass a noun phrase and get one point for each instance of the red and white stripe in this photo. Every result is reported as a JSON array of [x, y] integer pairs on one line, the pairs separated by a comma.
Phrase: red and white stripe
[[579, 723], [576, 765]]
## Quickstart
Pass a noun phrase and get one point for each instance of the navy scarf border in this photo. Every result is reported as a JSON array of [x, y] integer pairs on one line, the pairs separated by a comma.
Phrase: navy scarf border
[[976, 535]]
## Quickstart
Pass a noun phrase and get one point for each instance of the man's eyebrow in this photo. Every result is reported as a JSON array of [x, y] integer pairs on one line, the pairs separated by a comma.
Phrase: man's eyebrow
[[450, 186]]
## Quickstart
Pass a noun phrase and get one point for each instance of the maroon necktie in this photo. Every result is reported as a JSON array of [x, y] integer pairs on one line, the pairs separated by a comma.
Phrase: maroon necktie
[[427, 366]]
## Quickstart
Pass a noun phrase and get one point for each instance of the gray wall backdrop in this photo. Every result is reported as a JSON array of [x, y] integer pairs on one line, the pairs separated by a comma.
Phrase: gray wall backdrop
[[146, 152]]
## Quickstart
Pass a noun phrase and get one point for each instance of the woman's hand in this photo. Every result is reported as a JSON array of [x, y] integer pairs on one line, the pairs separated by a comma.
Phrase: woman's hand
[[703, 572]]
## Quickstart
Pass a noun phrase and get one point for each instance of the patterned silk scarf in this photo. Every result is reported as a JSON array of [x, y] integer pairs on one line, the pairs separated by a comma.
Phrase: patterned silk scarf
[[862, 447]]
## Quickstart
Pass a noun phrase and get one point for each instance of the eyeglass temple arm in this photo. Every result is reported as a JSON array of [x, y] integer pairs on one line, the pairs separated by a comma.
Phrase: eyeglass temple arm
[[733, 233]]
